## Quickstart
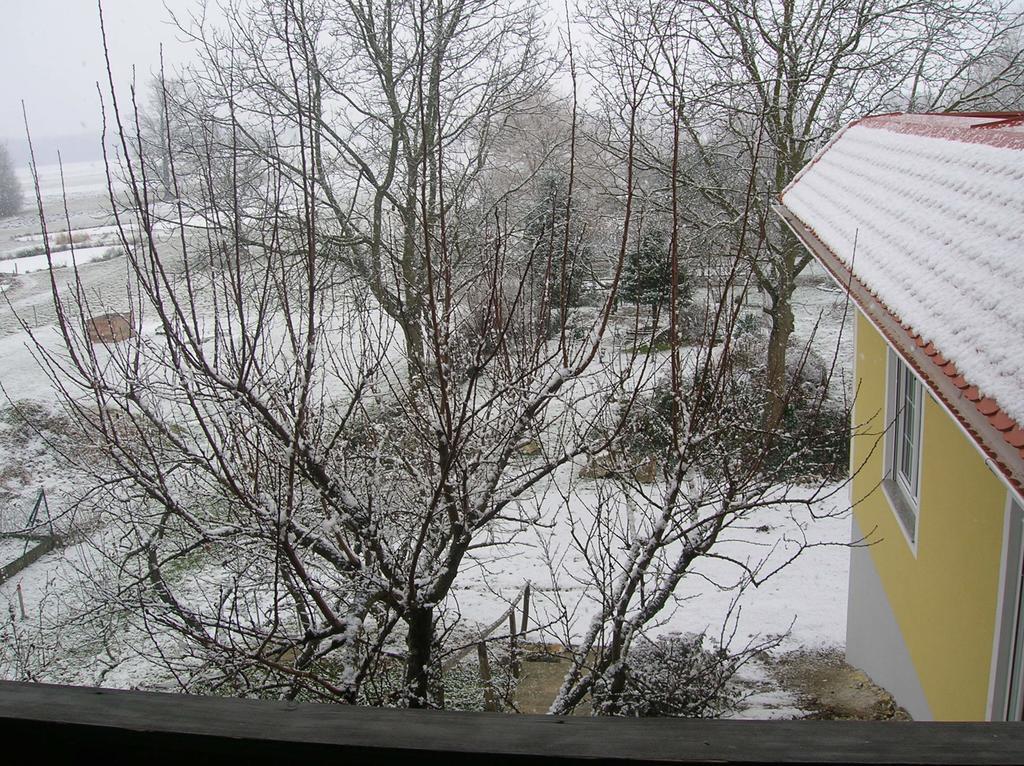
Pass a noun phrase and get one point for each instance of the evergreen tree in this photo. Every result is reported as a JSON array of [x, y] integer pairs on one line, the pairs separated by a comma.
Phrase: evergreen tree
[[10, 189], [647, 273]]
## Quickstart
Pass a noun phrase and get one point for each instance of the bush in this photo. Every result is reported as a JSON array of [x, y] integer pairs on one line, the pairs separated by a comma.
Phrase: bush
[[647, 430], [65, 238], [647, 272], [674, 676], [811, 442], [815, 441], [457, 688]]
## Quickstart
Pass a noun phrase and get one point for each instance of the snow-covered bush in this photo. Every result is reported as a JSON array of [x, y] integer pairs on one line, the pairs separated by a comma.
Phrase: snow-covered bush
[[674, 675], [647, 273], [815, 440], [647, 431]]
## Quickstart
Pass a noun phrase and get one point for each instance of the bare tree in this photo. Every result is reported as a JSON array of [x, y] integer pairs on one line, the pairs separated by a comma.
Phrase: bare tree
[[155, 118], [290, 502], [400, 102], [289, 509], [763, 83], [698, 415]]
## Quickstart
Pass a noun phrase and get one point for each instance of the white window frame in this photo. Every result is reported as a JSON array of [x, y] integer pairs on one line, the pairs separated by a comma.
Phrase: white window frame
[[1006, 681], [905, 395]]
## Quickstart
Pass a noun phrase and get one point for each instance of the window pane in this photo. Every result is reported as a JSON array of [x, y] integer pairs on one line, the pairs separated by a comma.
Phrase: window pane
[[906, 458]]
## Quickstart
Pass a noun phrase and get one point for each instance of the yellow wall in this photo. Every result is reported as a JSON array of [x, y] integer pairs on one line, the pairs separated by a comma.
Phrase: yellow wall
[[945, 599]]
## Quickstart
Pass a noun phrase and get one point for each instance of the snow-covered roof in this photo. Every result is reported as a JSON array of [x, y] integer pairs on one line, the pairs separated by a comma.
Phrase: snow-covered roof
[[927, 212], [921, 219]]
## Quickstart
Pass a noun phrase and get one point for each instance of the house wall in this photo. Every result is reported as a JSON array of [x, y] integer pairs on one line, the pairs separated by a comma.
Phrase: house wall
[[943, 596]]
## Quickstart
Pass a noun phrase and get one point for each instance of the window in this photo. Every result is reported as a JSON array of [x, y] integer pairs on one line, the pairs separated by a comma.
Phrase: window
[[907, 457], [903, 460], [1008, 679]]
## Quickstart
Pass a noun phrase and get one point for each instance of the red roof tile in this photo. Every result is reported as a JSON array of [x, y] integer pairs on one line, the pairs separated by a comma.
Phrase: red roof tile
[[988, 407], [968, 127], [1001, 421]]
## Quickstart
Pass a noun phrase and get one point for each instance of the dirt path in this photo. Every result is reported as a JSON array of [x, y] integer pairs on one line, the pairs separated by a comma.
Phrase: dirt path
[[543, 668], [829, 688]]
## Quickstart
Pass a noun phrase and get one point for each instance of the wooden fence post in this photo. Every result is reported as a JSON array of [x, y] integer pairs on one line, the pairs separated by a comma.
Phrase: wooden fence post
[[524, 625], [485, 676], [513, 657], [21, 601]]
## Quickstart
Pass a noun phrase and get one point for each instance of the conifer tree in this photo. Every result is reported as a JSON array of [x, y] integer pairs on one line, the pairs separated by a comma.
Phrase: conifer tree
[[647, 273], [11, 197]]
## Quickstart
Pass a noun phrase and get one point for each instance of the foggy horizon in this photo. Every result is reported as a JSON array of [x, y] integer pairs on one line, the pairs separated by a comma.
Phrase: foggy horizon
[[54, 57]]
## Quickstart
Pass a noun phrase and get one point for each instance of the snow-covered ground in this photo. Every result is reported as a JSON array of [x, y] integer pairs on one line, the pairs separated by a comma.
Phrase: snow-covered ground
[[86, 179], [807, 598], [806, 601], [59, 258], [12, 548]]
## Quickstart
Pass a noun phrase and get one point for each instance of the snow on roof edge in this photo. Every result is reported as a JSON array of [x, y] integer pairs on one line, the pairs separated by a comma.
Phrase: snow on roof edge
[[942, 221]]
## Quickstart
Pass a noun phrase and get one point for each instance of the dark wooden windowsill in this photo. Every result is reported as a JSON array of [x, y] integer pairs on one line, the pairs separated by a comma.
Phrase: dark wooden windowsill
[[80, 725]]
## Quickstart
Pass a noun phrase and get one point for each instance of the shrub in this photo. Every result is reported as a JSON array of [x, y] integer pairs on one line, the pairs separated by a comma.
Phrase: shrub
[[811, 442], [815, 441], [65, 238], [110, 254], [457, 688], [674, 676], [23, 252], [647, 430], [647, 272]]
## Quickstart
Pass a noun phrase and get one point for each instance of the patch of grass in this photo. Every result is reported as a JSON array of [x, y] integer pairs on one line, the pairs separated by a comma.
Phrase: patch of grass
[[26, 420], [65, 238], [109, 255]]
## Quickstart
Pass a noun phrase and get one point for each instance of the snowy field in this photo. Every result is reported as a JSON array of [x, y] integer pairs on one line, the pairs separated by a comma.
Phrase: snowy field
[[59, 259], [12, 548], [806, 601]]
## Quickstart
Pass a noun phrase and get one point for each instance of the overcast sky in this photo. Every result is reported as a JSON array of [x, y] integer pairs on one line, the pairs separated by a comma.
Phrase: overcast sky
[[51, 56]]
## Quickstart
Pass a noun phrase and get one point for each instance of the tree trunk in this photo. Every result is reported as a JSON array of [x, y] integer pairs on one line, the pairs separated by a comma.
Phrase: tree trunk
[[415, 358], [419, 644], [616, 687], [778, 341]]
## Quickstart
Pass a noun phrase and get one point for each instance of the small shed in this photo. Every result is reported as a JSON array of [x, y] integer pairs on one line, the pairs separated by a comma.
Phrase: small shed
[[109, 328]]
